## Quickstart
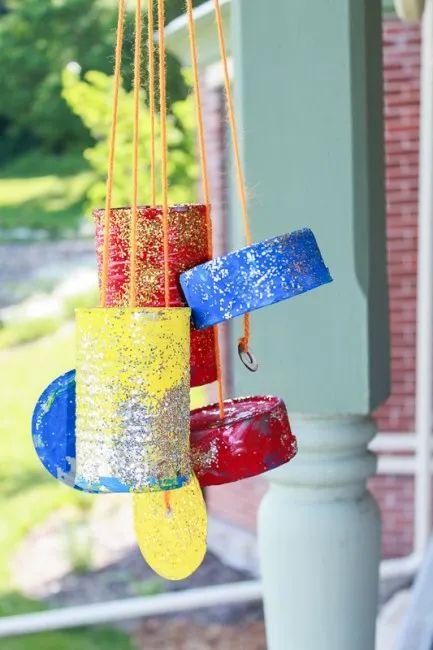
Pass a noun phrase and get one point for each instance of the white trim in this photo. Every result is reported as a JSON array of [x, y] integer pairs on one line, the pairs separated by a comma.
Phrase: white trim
[[180, 24], [393, 442], [400, 567], [398, 466], [131, 608], [396, 454], [137, 608], [177, 34]]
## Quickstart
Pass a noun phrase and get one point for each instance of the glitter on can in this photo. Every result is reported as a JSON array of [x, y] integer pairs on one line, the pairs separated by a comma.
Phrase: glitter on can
[[132, 399], [188, 247], [171, 530], [253, 437], [254, 277]]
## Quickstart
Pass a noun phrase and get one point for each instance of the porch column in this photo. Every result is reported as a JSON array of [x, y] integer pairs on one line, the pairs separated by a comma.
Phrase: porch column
[[309, 87]]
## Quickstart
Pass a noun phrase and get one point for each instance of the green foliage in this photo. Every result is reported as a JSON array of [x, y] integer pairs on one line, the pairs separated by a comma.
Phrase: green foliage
[[38, 38], [83, 300], [37, 163], [43, 192], [24, 326], [90, 98], [28, 330]]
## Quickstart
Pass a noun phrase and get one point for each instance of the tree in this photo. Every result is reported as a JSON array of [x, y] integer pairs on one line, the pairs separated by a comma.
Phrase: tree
[[38, 38]]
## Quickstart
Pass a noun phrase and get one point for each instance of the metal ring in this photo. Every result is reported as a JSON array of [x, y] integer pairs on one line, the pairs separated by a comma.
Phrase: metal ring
[[248, 359]]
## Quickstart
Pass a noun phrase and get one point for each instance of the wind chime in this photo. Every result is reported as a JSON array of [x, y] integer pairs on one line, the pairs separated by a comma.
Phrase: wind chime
[[121, 422]]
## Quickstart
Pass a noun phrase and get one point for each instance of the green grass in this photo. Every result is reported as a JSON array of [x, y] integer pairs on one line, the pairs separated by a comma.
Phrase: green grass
[[43, 192], [28, 330], [27, 493]]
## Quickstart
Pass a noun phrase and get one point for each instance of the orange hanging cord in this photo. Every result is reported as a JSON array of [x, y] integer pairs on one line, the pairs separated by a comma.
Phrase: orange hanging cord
[[151, 76], [134, 199], [164, 167], [205, 181], [164, 144], [111, 151], [240, 178]]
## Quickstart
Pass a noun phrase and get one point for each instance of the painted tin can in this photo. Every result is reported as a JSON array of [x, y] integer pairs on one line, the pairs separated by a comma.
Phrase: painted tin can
[[188, 247], [132, 399]]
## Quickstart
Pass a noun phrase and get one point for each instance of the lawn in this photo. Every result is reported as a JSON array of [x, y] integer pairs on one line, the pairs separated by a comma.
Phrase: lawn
[[43, 192], [28, 494]]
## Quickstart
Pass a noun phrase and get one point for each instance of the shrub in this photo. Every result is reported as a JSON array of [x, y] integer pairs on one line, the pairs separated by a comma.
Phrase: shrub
[[91, 99]]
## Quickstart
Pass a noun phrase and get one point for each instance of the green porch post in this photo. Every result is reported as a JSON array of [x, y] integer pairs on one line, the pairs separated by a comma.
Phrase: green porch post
[[308, 80]]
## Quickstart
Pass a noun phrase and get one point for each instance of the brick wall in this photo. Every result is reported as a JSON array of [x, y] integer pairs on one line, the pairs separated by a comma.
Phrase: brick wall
[[238, 503], [395, 494], [401, 81], [401, 84]]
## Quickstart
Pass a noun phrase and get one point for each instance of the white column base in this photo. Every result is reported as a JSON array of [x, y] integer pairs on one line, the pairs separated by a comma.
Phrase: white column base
[[319, 539]]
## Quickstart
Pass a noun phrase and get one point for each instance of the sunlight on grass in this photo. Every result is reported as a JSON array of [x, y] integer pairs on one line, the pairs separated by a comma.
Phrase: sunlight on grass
[[44, 193]]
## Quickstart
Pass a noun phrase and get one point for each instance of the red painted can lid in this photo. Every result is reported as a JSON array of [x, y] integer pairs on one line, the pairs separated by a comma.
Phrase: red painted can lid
[[253, 437]]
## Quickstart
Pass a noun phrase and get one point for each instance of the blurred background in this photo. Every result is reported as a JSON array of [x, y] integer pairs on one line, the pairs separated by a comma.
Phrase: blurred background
[[59, 547]]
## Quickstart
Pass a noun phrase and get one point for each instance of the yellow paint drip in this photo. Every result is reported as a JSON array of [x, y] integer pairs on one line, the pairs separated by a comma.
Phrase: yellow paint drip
[[171, 530]]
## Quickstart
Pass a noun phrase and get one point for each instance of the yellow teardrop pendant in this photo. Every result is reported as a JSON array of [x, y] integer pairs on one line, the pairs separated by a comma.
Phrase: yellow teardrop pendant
[[171, 530]]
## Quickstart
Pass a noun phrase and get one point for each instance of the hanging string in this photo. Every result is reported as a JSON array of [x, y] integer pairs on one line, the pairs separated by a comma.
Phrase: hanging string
[[164, 170], [205, 181], [164, 167], [151, 74], [167, 503], [137, 87], [111, 150], [164, 145], [240, 178], [199, 110]]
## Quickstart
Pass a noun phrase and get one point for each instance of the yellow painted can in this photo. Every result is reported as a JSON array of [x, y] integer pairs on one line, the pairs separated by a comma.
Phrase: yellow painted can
[[171, 530], [132, 399]]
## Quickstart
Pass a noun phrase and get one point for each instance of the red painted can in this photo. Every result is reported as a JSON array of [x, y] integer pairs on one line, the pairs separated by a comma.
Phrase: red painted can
[[188, 247], [253, 437]]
